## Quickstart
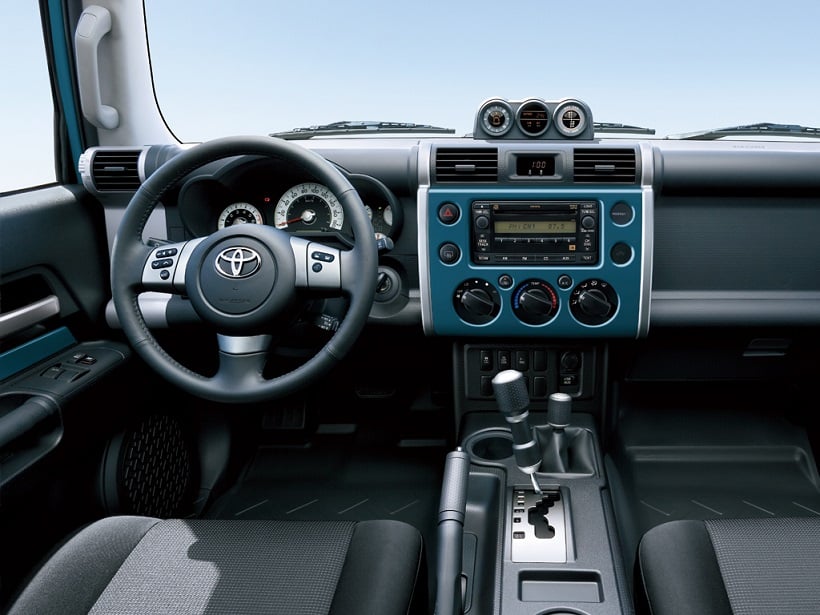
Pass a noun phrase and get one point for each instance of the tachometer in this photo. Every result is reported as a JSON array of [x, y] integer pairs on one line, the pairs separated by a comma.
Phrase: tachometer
[[239, 213], [309, 207]]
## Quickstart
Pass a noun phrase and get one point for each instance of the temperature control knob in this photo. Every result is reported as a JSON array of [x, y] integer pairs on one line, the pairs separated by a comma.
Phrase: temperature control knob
[[535, 302], [593, 302], [477, 301]]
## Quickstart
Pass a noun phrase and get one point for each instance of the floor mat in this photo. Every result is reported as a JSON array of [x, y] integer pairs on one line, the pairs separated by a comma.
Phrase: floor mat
[[338, 483]]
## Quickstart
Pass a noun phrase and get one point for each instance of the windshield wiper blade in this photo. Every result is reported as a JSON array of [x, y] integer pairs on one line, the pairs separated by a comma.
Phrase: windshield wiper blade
[[763, 128], [351, 128], [601, 127]]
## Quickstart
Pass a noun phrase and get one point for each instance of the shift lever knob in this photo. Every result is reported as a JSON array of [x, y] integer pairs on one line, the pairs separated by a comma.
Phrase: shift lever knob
[[559, 409], [514, 403]]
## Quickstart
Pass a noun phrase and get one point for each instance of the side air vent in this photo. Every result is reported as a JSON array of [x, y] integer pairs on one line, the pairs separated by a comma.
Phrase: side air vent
[[468, 165], [605, 166], [116, 170]]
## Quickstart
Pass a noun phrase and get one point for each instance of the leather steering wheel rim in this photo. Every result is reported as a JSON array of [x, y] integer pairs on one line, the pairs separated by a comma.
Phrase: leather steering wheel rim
[[241, 381]]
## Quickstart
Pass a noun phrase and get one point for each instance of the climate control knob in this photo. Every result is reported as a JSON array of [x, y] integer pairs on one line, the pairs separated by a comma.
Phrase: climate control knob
[[476, 301], [535, 302], [593, 302]]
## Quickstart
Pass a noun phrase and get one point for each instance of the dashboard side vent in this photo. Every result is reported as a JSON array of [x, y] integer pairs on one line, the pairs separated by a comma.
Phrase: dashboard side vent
[[466, 165], [605, 166], [116, 170]]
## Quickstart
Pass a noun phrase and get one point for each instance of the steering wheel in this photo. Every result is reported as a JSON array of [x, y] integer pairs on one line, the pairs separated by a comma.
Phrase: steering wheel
[[243, 278]]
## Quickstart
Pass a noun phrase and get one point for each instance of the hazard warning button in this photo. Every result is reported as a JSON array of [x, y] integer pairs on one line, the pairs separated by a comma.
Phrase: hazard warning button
[[448, 213]]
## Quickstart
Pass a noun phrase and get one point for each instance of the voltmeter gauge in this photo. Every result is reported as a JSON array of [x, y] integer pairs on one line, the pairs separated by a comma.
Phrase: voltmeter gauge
[[570, 119], [496, 117]]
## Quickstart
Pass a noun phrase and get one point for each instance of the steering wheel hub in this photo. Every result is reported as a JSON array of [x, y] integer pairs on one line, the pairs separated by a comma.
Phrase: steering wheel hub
[[241, 278]]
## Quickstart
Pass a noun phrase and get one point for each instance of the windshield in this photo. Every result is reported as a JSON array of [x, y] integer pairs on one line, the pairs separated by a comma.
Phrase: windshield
[[259, 67]]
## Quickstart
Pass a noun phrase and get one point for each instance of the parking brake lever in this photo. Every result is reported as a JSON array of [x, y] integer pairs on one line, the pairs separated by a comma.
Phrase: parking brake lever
[[510, 391]]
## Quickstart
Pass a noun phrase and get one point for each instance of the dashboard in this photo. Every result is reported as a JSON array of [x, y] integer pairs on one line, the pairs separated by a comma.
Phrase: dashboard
[[528, 230]]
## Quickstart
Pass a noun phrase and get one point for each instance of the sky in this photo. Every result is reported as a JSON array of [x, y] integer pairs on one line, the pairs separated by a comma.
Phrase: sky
[[673, 66], [260, 66]]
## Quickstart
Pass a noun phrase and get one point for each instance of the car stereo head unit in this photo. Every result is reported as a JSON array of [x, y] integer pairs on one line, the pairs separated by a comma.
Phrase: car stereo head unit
[[535, 232]]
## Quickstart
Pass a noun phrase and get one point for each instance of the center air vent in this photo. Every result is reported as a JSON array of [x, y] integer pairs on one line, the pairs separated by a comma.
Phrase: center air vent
[[116, 170], [605, 166], [468, 165]]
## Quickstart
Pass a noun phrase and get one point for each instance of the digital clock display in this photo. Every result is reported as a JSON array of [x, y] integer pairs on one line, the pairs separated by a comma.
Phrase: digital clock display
[[535, 165]]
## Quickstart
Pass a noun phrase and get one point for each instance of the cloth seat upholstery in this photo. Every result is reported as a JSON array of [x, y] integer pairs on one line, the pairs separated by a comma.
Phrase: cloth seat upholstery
[[764, 566], [129, 565]]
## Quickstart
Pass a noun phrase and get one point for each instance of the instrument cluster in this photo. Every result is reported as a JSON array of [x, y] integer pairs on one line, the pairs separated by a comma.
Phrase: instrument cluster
[[263, 191]]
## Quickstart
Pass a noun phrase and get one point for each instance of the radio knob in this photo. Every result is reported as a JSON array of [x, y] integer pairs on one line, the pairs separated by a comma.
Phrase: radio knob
[[482, 222], [588, 222]]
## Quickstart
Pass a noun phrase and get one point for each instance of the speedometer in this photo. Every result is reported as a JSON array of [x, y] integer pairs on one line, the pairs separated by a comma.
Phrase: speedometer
[[309, 207]]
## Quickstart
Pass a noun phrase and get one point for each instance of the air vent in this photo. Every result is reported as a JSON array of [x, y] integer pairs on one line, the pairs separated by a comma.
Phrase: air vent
[[605, 166], [116, 170], [467, 165]]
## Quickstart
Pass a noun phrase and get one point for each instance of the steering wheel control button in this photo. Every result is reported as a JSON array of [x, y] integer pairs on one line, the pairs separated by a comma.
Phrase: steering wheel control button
[[317, 267], [621, 213], [621, 253], [162, 264], [322, 256], [164, 274], [165, 253], [448, 213], [449, 253]]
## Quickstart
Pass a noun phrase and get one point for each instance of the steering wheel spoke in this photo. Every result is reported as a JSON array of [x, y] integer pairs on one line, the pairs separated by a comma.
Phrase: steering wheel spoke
[[241, 361], [318, 266], [165, 266]]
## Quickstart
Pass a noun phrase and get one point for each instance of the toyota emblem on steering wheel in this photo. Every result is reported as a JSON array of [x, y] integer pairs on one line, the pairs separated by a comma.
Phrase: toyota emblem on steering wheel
[[237, 262]]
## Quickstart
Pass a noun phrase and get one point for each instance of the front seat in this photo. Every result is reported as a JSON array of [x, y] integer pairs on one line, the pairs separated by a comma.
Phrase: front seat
[[763, 566], [129, 565]]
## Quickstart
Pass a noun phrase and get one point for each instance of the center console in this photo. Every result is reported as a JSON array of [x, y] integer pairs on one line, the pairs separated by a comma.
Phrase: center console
[[548, 548], [535, 248]]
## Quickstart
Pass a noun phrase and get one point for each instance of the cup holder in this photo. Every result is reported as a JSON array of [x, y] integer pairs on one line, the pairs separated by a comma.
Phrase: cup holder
[[493, 445]]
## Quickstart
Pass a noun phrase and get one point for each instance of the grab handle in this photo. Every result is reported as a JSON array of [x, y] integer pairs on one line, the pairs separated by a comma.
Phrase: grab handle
[[94, 24]]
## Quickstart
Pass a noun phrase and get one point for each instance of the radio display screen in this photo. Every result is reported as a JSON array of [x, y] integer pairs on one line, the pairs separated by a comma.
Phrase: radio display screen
[[516, 227]]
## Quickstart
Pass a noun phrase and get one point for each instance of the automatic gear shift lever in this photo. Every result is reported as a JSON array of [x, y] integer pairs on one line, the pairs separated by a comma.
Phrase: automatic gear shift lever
[[514, 403]]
